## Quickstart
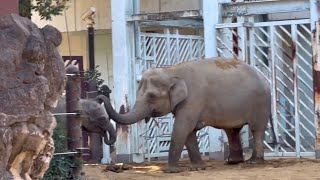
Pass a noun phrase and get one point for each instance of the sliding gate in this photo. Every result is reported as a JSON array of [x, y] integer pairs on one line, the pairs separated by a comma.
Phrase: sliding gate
[[162, 50], [282, 52]]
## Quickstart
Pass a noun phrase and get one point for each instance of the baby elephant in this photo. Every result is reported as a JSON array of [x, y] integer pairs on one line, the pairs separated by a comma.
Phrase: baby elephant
[[94, 118], [218, 92]]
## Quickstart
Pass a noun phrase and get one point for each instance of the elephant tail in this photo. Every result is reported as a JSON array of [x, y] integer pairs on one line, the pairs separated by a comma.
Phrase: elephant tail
[[275, 142]]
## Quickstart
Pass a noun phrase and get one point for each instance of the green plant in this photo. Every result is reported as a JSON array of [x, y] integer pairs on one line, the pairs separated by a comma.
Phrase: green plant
[[61, 165], [94, 75], [45, 8]]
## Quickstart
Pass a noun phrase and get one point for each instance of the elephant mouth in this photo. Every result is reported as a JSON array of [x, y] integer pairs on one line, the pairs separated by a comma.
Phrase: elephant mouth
[[156, 113]]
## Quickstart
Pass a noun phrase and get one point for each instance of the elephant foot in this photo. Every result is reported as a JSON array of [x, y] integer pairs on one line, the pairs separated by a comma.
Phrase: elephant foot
[[255, 160], [173, 169], [197, 167], [235, 160]]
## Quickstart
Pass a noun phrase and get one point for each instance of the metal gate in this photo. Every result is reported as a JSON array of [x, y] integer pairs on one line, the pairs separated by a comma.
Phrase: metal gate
[[282, 52], [160, 50]]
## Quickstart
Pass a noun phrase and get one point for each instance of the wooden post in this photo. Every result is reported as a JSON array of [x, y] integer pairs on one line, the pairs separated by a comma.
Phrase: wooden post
[[315, 29], [73, 93]]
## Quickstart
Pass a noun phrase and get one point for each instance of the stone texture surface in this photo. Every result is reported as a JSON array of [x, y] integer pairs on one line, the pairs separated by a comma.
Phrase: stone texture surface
[[32, 78]]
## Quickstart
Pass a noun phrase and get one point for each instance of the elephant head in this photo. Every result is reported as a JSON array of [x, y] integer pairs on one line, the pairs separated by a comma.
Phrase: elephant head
[[94, 119], [159, 93]]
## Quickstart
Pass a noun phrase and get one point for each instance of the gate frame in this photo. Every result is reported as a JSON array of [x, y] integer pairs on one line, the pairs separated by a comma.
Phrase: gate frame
[[126, 22]]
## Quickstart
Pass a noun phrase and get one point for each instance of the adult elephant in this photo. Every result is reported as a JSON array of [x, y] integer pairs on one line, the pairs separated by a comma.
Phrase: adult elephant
[[218, 92], [94, 118]]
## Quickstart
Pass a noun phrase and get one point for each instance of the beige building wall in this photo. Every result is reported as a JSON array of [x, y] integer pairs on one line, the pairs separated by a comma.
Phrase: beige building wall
[[71, 19], [75, 44], [103, 57], [74, 30], [155, 6], [103, 51]]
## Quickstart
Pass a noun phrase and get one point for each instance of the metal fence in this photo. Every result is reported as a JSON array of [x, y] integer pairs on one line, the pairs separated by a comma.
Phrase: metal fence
[[282, 52], [160, 50]]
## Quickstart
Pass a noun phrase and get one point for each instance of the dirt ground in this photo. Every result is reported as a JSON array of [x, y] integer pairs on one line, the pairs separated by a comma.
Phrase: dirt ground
[[272, 169]]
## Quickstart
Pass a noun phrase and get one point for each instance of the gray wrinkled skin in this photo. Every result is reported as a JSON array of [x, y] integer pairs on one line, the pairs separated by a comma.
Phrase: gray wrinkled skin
[[222, 93]]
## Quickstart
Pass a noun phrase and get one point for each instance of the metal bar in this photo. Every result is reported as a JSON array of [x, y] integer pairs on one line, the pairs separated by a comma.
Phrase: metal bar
[[306, 40], [66, 153], [63, 114], [164, 35], [284, 85], [288, 99], [284, 74], [304, 49], [302, 103], [280, 37], [295, 89], [263, 74], [307, 130], [306, 29], [182, 23], [263, 64], [307, 97], [263, 31], [305, 62], [262, 24], [290, 154], [305, 72], [274, 87], [252, 42], [261, 51], [226, 47], [264, 7], [268, 146], [307, 119], [261, 40]]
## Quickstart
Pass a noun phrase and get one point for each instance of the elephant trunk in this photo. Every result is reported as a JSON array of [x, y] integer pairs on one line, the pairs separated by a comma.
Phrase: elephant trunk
[[111, 139], [135, 115]]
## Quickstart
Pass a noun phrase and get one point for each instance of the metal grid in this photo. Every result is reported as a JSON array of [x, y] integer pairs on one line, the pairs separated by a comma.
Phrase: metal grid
[[161, 50], [282, 52]]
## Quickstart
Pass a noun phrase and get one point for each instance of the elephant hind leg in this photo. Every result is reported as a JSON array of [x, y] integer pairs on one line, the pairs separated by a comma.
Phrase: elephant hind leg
[[257, 156], [258, 129], [194, 153], [235, 148]]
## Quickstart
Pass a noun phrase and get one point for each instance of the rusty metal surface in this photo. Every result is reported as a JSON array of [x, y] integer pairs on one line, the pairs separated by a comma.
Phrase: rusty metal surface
[[316, 78], [162, 16]]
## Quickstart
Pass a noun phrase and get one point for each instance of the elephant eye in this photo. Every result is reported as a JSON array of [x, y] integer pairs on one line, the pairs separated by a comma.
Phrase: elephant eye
[[151, 95]]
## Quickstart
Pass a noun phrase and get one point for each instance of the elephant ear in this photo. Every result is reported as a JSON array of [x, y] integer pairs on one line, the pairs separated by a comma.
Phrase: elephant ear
[[178, 92]]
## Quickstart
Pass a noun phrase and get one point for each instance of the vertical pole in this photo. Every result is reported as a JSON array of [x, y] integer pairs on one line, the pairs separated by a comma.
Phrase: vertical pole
[[211, 17], [167, 32], [91, 47], [73, 93], [295, 84], [315, 29], [274, 86], [138, 141], [123, 70]]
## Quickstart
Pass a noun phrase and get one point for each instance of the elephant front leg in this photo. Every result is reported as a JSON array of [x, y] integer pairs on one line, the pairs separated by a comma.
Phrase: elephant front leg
[[235, 148], [180, 133], [194, 153]]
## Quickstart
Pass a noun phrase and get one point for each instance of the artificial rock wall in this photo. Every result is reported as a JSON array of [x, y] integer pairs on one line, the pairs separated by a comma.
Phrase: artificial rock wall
[[32, 78]]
